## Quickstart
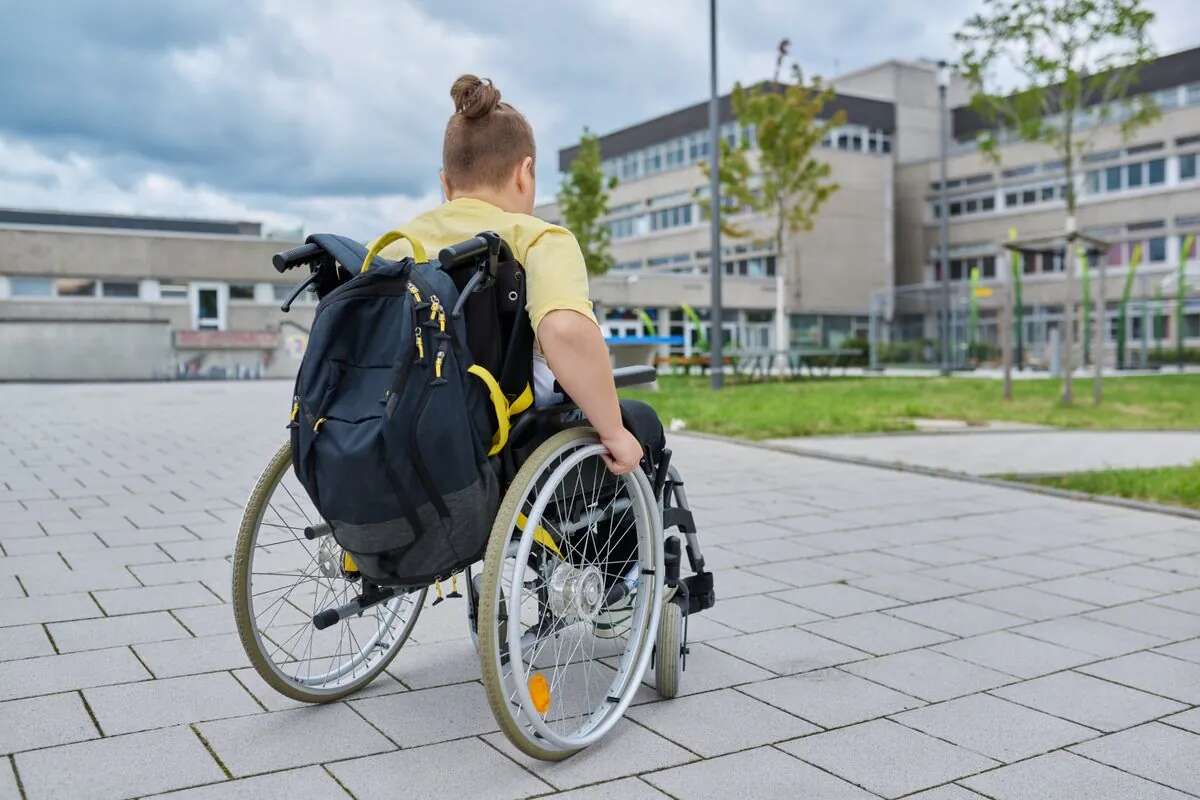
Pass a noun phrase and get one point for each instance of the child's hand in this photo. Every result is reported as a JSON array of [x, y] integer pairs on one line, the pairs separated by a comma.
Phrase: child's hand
[[624, 451]]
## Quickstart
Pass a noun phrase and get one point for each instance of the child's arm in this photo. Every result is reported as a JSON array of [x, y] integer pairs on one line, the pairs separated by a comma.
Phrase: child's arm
[[574, 349]]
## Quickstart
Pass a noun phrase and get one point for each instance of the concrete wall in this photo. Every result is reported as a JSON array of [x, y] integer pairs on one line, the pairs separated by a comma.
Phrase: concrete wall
[[98, 338], [101, 348], [912, 87], [832, 268], [166, 257], [61, 349]]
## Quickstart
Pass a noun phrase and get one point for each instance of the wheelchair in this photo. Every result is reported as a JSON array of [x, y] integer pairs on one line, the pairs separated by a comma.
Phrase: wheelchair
[[579, 592]]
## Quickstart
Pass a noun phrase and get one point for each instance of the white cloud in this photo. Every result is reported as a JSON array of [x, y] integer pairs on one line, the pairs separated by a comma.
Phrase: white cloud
[[331, 114], [32, 179]]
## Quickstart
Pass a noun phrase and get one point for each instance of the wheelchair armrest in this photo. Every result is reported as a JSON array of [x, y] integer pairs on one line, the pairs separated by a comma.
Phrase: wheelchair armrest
[[634, 376], [622, 376]]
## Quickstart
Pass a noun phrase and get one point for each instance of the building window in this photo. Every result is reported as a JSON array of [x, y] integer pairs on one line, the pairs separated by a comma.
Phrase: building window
[[119, 289], [1112, 179], [173, 291], [1187, 167], [1115, 255], [1167, 98], [1133, 175], [621, 228], [75, 287], [30, 287], [670, 217], [241, 291], [1158, 171], [1157, 249]]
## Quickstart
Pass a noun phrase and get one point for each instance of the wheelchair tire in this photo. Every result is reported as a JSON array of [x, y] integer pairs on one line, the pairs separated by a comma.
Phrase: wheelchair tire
[[280, 654], [560, 603], [668, 651]]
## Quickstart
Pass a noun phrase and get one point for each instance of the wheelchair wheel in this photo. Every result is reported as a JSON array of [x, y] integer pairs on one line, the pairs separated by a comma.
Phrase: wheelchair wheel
[[668, 651], [281, 578], [572, 547]]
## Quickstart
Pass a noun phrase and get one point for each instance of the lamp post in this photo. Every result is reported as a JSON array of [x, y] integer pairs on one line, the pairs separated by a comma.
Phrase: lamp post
[[715, 265], [943, 81]]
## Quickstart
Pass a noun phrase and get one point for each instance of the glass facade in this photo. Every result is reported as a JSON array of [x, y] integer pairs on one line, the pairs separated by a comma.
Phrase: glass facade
[[692, 148]]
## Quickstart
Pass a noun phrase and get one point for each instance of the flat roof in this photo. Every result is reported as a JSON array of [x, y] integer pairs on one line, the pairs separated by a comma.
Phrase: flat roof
[[128, 222], [1164, 72], [860, 110]]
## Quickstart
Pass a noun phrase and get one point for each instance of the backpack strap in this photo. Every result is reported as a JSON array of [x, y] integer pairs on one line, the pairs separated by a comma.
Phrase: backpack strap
[[389, 237], [499, 405]]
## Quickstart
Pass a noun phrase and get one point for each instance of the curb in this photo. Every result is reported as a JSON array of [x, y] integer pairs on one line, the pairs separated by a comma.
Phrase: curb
[[934, 472]]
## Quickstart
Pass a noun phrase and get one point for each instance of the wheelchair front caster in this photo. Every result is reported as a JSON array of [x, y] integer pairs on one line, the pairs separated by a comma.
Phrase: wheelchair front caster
[[669, 648]]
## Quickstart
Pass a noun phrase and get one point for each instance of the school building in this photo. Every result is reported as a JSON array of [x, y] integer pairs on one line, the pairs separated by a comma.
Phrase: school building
[[874, 249], [94, 296]]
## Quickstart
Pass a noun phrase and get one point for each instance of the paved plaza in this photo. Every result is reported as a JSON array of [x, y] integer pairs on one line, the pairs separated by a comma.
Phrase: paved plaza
[[877, 634], [1013, 451]]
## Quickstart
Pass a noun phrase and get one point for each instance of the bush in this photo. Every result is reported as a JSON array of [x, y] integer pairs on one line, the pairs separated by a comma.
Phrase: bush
[[982, 351], [917, 351], [1163, 356], [864, 352]]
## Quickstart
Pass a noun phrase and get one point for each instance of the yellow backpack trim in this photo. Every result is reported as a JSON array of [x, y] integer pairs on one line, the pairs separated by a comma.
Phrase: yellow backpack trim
[[499, 404], [522, 403], [389, 237], [505, 410]]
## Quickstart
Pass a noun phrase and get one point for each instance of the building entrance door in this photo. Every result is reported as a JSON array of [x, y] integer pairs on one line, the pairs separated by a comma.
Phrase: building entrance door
[[209, 301]]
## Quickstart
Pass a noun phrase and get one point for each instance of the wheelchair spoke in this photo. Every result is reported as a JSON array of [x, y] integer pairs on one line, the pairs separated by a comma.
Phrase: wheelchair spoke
[[286, 579], [558, 629]]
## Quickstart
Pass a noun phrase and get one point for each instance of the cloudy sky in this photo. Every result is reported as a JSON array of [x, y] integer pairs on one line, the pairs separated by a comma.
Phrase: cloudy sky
[[329, 115]]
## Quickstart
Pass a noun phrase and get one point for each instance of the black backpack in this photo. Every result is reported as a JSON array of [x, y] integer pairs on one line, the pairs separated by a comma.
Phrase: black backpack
[[392, 422]]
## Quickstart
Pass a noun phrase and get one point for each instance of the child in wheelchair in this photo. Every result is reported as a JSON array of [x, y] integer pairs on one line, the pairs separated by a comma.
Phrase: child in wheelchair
[[489, 180], [389, 485]]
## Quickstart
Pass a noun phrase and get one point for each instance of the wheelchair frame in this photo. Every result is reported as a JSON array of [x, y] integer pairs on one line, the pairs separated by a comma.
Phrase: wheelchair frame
[[664, 504]]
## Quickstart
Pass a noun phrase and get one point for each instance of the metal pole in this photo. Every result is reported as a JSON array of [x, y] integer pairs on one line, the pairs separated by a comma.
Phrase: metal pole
[[1006, 334], [1101, 330], [715, 264], [944, 216], [873, 334]]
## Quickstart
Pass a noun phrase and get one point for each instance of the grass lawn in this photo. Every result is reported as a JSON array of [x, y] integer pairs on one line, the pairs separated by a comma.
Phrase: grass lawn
[[1174, 485], [864, 405]]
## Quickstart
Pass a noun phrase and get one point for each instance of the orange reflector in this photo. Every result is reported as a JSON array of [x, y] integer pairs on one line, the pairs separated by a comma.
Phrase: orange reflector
[[539, 692]]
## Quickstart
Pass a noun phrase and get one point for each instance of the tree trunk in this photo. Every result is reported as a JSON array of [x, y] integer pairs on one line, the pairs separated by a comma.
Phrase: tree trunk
[[1068, 334], [782, 338], [1006, 326], [1068, 323]]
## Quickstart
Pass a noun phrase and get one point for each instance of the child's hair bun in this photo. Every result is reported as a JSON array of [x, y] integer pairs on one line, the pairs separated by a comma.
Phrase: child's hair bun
[[474, 97]]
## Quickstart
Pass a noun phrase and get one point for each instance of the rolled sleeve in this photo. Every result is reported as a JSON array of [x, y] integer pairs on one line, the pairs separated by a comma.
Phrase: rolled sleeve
[[556, 276]]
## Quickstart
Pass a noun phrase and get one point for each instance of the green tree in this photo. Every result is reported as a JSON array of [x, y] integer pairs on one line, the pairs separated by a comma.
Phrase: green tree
[[583, 200], [774, 172], [1079, 60]]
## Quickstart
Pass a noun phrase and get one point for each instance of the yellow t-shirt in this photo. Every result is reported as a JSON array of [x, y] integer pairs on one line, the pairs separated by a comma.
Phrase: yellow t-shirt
[[556, 277]]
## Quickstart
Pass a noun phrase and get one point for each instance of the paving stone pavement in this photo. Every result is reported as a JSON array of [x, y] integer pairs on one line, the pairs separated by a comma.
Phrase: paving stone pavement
[[1013, 451], [878, 634]]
